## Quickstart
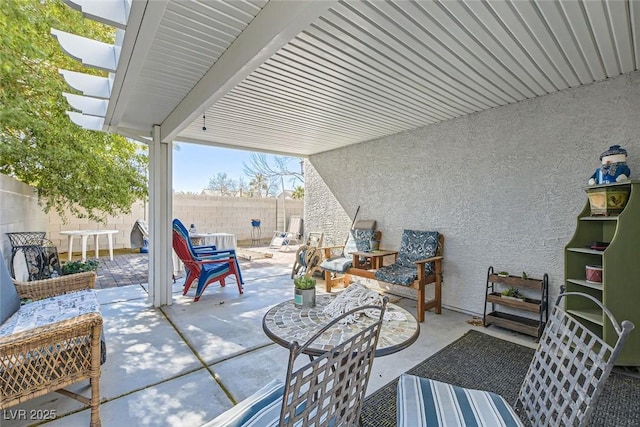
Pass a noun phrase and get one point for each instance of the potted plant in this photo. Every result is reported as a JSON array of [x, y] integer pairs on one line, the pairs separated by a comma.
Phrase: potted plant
[[304, 292], [72, 267], [512, 293]]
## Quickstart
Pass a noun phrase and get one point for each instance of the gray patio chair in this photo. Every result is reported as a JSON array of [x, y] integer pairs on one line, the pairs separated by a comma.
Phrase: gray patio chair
[[328, 391], [565, 378]]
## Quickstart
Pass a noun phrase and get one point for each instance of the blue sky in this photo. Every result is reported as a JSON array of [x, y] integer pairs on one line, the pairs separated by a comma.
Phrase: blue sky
[[194, 165]]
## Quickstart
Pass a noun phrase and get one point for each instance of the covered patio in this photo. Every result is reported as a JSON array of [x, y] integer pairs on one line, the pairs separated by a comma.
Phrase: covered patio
[[482, 120], [184, 364]]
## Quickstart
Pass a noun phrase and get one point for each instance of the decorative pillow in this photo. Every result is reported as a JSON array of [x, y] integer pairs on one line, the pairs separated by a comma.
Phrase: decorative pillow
[[417, 245], [9, 299]]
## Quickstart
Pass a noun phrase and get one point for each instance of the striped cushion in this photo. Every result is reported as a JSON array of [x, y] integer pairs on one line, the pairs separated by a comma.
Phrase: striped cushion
[[261, 409], [425, 402]]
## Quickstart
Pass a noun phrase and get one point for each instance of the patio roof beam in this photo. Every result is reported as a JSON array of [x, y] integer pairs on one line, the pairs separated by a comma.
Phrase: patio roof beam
[[143, 21], [89, 85], [109, 12], [275, 25], [91, 53], [85, 121], [86, 104]]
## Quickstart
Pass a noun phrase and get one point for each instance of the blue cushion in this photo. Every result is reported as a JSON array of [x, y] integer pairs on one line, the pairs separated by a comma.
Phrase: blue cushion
[[363, 239], [416, 245], [9, 299], [424, 402], [397, 274], [261, 409]]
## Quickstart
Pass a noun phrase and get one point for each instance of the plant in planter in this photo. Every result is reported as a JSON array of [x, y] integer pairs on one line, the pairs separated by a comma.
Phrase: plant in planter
[[72, 267], [305, 291], [513, 293]]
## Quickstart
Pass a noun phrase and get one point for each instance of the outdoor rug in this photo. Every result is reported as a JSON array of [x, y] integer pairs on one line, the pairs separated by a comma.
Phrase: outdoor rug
[[481, 361]]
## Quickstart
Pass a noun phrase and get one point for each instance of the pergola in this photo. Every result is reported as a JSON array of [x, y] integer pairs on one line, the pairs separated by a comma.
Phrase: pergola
[[303, 77]]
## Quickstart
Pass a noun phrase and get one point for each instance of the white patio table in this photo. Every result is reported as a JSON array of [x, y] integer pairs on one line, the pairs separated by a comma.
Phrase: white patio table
[[221, 240], [84, 234]]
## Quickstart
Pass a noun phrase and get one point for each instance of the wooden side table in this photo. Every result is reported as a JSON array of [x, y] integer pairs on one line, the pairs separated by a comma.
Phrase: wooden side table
[[375, 256]]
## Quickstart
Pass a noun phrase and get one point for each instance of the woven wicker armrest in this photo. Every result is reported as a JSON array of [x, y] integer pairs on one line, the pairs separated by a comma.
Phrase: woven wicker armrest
[[89, 324], [39, 289]]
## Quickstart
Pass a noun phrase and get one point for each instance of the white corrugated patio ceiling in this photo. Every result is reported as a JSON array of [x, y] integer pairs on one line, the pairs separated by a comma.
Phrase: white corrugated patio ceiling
[[303, 77]]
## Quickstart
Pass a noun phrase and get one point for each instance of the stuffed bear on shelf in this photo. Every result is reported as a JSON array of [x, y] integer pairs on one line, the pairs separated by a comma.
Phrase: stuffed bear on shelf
[[614, 167]]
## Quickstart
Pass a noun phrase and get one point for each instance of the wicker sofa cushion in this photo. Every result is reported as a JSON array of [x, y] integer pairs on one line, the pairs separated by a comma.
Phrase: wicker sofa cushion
[[50, 310], [425, 402], [261, 409], [9, 299]]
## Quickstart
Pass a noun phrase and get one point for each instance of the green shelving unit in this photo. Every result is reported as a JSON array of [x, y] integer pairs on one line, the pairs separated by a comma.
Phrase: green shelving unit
[[620, 261]]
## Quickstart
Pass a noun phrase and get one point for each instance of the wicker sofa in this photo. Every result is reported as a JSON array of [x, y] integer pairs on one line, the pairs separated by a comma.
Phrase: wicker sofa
[[50, 342]]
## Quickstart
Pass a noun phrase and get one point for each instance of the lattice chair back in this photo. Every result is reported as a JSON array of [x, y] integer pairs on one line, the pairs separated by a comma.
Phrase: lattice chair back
[[330, 390], [569, 368]]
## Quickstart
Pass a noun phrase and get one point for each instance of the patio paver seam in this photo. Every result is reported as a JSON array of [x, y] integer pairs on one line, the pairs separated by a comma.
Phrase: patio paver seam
[[215, 376]]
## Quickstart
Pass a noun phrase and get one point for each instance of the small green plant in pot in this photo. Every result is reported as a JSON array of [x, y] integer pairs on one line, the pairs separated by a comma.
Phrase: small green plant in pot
[[304, 292], [513, 293], [73, 267]]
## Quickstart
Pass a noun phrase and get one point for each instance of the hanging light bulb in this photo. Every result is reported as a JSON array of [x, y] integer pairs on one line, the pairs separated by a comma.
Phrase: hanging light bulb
[[204, 123]]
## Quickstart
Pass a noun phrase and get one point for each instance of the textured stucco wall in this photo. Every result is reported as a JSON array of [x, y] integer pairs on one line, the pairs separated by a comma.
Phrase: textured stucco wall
[[504, 186]]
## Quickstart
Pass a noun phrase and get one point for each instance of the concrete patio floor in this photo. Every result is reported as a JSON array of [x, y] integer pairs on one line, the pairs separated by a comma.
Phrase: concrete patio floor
[[184, 364]]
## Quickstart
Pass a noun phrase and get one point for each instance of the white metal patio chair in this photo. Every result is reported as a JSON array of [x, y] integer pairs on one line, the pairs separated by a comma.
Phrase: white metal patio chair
[[328, 391], [565, 378], [282, 239]]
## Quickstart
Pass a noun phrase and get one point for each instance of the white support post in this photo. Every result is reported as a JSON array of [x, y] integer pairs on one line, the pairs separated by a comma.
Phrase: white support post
[[160, 214]]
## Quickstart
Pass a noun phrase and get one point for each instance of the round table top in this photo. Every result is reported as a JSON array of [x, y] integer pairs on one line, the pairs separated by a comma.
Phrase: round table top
[[286, 323]]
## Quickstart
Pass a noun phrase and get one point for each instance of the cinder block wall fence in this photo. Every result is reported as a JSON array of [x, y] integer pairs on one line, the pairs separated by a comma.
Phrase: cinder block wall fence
[[19, 211]]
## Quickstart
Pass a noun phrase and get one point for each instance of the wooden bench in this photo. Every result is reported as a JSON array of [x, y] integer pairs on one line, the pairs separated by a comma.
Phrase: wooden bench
[[423, 280]]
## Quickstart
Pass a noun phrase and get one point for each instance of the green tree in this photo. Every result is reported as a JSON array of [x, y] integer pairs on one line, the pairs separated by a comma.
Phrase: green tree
[[91, 173], [274, 170], [298, 192]]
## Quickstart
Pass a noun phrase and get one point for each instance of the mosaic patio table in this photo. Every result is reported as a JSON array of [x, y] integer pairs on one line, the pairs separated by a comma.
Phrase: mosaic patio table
[[286, 323]]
